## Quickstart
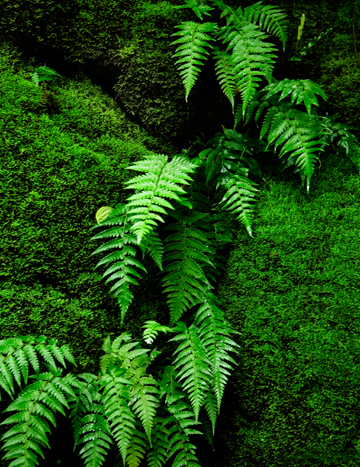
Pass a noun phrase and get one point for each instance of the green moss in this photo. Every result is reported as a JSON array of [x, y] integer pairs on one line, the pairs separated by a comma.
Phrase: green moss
[[58, 168], [292, 292]]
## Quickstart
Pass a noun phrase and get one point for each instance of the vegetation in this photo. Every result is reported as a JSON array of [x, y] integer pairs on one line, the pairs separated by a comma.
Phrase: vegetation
[[205, 195]]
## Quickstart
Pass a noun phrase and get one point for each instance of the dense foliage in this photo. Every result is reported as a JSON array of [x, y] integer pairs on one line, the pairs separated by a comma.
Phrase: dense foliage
[[215, 181]]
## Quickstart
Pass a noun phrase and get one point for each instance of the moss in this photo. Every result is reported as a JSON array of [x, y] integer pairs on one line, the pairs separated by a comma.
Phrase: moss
[[292, 293], [58, 170]]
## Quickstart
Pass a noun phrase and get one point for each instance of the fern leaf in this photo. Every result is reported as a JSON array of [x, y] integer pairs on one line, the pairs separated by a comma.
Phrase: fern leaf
[[83, 401], [207, 427], [115, 397], [181, 419], [225, 74], [185, 279], [153, 245], [156, 454], [151, 331], [239, 192], [214, 332], [197, 8], [252, 59], [97, 439], [17, 353], [115, 355], [271, 19], [146, 403], [35, 406], [195, 365], [301, 90], [192, 52], [136, 448], [299, 130], [331, 130], [122, 218], [161, 181]]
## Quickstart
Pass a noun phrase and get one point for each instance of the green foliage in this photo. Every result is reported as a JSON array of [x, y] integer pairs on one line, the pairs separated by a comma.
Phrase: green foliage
[[43, 73], [239, 72], [124, 403], [193, 40]]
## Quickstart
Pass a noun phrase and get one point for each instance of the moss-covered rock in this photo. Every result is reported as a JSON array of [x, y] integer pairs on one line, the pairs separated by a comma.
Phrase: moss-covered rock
[[57, 170]]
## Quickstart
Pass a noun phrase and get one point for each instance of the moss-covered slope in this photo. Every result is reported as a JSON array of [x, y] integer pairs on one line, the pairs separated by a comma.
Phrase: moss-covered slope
[[293, 292]]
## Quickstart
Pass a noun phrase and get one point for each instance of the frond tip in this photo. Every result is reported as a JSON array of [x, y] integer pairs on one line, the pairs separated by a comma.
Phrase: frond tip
[[162, 180]]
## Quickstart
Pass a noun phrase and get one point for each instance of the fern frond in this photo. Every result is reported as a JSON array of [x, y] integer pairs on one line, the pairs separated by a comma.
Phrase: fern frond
[[301, 89], [137, 448], [97, 436], [161, 181], [234, 16], [224, 69], [156, 455], [115, 398], [194, 365], [17, 353], [151, 331], [252, 59], [239, 193], [153, 245], [181, 420], [299, 130], [145, 403], [207, 427], [35, 406], [192, 52], [214, 332], [271, 19], [332, 130], [185, 279], [197, 8], [121, 217], [82, 403], [116, 355]]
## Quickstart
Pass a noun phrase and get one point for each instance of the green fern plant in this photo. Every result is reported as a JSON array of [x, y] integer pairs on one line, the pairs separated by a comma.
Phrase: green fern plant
[[138, 404], [244, 60]]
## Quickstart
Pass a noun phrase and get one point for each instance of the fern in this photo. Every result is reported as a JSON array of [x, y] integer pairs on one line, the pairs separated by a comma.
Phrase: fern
[[252, 59], [121, 217], [181, 418], [185, 280], [214, 332], [193, 40], [298, 130], [195, 365], [226, 74], [271, 19], [197, 8], [43, 73], [17, 353], [303, 90], [35, 406], [161, 181]]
